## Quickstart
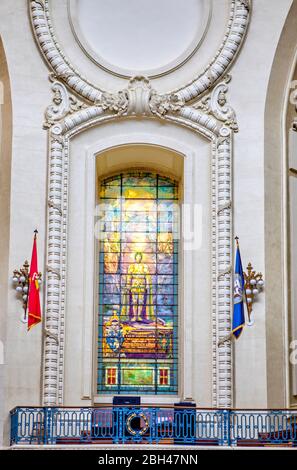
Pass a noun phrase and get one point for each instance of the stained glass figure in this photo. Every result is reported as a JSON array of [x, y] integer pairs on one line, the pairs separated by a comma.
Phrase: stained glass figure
[[138, 285]]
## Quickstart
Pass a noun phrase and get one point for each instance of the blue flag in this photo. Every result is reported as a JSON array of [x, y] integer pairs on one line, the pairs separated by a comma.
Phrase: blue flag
[[238, 308]]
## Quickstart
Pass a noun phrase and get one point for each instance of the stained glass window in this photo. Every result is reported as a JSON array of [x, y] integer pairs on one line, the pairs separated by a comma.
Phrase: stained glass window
[[138, 285]]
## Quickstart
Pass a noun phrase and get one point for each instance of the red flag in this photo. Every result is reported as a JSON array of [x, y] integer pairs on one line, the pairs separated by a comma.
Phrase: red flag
[[34, 311]]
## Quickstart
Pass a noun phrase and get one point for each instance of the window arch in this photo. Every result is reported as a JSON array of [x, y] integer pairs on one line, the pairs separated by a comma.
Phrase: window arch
[[138, 284]]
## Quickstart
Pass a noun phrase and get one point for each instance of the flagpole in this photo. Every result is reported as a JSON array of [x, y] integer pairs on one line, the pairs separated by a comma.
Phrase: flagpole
[[230, 336], [247, 306], [25, 316]]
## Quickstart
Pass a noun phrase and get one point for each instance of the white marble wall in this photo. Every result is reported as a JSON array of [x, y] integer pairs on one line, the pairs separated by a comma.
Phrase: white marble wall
[[248, 95], [30, 95]]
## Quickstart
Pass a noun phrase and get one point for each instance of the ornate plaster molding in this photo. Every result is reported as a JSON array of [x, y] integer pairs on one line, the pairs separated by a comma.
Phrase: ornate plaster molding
[[293, 101], [216, 69], [160, 105], [139, 100], [139, 94], [117, 102], [246, 4], [53, 301], [54, 56], [210, 115], [224, 244]]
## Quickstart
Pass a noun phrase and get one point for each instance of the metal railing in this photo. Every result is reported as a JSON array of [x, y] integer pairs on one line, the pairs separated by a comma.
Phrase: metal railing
[[152, 425]]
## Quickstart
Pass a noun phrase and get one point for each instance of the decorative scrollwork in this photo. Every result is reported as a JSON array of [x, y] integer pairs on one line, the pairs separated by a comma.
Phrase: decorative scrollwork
[[139, 99], [220, 108], [75, 104], [216, 104], [62, 104], [217, 67]]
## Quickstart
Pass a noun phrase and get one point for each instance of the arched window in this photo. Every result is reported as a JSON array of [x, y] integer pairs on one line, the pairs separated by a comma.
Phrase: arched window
[[138, 284]]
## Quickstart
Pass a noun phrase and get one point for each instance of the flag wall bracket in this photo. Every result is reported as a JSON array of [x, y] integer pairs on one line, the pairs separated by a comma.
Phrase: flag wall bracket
[[253, 286], [20, 282]]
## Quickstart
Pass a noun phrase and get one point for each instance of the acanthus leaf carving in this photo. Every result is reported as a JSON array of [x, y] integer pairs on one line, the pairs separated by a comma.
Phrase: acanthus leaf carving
[[114, 102], [140, 99], [75, 104], [160, 105]]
